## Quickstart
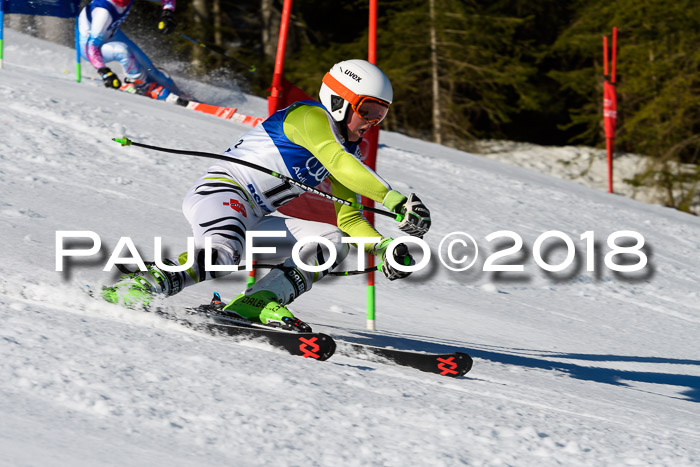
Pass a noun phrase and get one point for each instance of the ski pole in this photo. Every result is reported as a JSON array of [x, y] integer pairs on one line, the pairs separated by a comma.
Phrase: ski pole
[[122, 268], [335, 273], [251, 68], [124, 141]]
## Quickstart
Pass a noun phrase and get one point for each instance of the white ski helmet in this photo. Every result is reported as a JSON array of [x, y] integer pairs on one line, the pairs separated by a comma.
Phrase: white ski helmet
[[348, 82]]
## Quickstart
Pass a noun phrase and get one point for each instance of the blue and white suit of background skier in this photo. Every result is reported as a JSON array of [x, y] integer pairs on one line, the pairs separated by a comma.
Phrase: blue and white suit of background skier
[[101, 42]]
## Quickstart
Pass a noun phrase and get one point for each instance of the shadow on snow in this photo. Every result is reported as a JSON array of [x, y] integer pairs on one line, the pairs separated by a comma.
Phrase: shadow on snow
[[541, 360]]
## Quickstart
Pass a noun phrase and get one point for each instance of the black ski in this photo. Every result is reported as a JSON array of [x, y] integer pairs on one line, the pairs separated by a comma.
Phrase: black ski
[[304, 344], [448, 364], [316, 345]]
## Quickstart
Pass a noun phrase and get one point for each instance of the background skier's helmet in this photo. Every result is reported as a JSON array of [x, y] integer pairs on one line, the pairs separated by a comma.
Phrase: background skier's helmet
[[351, 83]]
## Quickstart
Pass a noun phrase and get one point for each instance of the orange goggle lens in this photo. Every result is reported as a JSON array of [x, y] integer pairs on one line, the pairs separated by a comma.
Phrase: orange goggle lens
[[371, 109]]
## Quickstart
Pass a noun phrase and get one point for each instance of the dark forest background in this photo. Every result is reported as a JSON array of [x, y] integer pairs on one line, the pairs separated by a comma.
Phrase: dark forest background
[[462, 70]]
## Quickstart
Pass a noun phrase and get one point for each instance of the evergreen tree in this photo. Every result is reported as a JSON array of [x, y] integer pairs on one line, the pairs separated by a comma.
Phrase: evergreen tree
[[658, 92], [480, 77]]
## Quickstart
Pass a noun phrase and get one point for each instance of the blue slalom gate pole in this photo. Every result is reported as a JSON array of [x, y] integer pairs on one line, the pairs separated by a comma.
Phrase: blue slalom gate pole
[[2, 26], [78, 74]]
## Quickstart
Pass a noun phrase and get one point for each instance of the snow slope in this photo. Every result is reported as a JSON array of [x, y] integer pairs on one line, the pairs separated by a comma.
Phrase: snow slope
[[572, 368]]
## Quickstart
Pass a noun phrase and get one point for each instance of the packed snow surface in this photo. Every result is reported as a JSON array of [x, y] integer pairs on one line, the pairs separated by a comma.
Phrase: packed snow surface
[[575, 367]]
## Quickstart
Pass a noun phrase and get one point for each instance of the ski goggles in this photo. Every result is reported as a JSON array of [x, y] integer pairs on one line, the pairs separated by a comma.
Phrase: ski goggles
[[370, 109]]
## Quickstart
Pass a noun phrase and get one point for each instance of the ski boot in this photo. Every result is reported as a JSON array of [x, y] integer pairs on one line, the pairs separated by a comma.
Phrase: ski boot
[[156, 91], [262, 306], [133, 86], [137, 289], [265, 301], [144, 88]]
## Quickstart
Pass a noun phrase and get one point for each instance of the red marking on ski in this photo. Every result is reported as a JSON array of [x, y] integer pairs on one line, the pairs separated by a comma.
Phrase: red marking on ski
[[314, 347], [443, 366]]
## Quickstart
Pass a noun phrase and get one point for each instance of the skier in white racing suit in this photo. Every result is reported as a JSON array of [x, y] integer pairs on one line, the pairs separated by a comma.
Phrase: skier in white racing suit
[[307, 142], [101, 42]]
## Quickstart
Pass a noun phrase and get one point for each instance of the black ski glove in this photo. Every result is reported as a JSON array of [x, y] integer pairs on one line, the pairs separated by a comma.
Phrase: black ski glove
[[109, 78], [401, 256], [167, 22], [417, 220]]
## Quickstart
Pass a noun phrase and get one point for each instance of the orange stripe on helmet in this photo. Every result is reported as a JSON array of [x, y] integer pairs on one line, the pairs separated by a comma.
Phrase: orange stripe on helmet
[[340, 89]]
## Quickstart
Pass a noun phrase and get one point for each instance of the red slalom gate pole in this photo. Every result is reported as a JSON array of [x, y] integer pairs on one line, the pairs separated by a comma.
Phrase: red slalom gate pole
[[373, 140], [610, 103], [276, 88], [372, 49]]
